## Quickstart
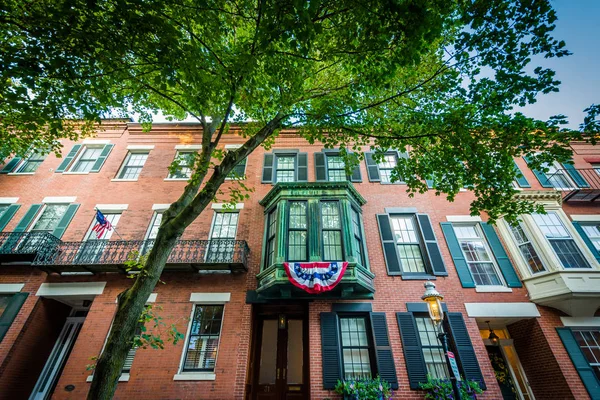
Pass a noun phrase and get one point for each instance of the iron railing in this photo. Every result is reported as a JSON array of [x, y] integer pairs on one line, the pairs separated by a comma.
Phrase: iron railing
[[585, 186], [25, 243]]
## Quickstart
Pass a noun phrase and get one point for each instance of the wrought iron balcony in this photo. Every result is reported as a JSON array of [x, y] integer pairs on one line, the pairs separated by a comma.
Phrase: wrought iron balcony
[[585, 188], [25, 246]]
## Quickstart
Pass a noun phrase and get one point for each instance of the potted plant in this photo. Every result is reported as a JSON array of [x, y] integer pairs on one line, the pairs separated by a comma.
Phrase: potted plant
[[364, 389], [441, 389]]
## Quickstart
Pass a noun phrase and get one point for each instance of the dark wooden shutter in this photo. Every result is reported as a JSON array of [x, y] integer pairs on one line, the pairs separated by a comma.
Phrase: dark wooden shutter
[[267, 175], [432, 248], [27, 218], [372, 168], [510, 275], [302, 167], [575, 175], [585, 371], [356, 175], [389, 245], [320, 167], [11, 311], [464, 348], [10, 166], [411, 345], [65, 220], [383, 350], [462, 269], [70, 156], [583, 235], [542, 177], [520, 178], [330, 349], [102, 158], [8, 214]]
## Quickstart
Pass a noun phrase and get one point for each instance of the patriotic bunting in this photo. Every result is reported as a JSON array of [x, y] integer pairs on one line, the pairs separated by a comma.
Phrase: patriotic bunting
[[315, 277]]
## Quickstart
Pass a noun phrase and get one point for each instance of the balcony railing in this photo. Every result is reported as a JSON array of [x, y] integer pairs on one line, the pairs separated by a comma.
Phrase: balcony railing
[[24, 246], [53, 255], [586, 188]]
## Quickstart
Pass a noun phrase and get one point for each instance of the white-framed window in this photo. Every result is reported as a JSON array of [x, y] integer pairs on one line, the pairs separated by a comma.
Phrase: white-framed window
[[32, 162], [477, 254], [133, 164], [356, 347], [386, 166], [527, 249], [239, 171], [433, 352], [222, 237], [408, 242], [49, 217], [87, 157], [560, 239], [184, 160], [285, 168], [588, 341], [336, 168], [592, 231], [558, 177], [202, 343]]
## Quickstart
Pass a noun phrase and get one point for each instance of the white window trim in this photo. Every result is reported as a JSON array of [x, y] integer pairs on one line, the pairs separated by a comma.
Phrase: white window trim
[[95, 144], [502, 310], [160, 207], [580, 321], [556, 165], [112, 207], [585, 218], [8, 200], [463, 218], [208, 299], [7, 288], [64, 199], [221, 206], [492, 288], [188, 147], [140, 147], [152, 219], [122, 378], [232, 146], [136, 150]]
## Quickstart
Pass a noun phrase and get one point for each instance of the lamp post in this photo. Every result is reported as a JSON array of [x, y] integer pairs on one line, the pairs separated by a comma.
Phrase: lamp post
[[433, 299]]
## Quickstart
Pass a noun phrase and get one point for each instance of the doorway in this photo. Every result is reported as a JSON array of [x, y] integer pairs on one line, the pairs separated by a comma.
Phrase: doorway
[[279, 366]]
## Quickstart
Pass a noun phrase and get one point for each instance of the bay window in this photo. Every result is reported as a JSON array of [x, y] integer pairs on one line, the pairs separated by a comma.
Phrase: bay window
[[331, 231], [560, 240], [297, 232], [526, 248]]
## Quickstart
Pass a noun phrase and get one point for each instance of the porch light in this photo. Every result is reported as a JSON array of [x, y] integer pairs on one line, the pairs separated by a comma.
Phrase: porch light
[[493, 337], [434, 302]]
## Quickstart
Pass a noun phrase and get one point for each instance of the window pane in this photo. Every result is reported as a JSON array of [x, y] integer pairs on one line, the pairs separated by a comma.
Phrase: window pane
[[432, 349], [386, 167], [298, 215], [332, 246], [477, 255], [593, 233], [202, 346], [355, 348], [88, 159], [133, 166], [409, 247], [50, 217], [330, 215], [561, 241], [569, 254], [551, 226], [297, 246], [184, 162], [4, 300]]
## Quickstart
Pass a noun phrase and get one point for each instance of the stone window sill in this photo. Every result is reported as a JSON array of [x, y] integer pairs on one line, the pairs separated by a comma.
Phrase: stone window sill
[[194, 376], [122, 378], [123, 180], [492, 289]]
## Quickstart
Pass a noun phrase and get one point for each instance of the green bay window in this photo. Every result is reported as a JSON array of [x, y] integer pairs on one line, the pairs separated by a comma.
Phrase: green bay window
[[331, 231], [297, 231], [271, 230]]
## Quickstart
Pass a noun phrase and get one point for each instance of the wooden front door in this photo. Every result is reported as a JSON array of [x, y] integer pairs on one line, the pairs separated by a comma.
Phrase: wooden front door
[[279, 358]]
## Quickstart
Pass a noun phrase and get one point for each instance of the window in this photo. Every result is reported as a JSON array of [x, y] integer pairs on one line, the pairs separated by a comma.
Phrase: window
[[32, 163], [477, 254], [184, 162], [591, 231], [4, 301], [222, 238], [357, 236], [298, 231], [331, 231], [336, 169], [589, 343], [356, 348], [239, 171], [528, 252], [271, 231], [132, 167], [433, 352], [286, 169], [92, 249], [408, 243], [561, 241], [596, 168], [152, 232], [50, 217], [558, 177], [203, 341], [87, 159], [386, 166]]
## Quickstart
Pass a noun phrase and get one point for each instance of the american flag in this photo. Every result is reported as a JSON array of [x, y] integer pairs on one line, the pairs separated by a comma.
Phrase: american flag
[[102, 225]]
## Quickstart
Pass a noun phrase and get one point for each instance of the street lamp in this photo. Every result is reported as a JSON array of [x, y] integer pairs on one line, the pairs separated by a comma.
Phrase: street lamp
[[433, 299]]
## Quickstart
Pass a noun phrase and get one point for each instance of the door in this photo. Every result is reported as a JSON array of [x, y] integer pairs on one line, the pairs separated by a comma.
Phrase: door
[[280, 364], [46, 382], [509, 372]]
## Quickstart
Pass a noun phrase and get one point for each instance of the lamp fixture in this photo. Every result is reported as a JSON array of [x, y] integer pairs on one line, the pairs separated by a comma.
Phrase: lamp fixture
[[493, 337], [433, 298]]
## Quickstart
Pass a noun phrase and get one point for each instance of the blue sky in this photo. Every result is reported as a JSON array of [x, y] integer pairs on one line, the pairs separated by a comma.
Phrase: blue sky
[[579, 26]]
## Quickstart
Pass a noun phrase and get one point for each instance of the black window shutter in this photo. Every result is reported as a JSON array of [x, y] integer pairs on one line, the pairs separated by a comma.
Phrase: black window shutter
[[330, 350], [413, 354], [320, 167], [464, 348], [431, 245], [11, 311], [302, 167], [383, 350], [389, 245], [356, 174], [267, 176], [372, 168], [586, 373]]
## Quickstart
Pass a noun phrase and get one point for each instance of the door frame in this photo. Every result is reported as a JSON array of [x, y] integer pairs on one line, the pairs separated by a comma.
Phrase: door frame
[[510, 342]]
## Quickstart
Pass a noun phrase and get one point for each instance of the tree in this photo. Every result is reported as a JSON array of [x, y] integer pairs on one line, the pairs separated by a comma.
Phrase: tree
[[436, 77]]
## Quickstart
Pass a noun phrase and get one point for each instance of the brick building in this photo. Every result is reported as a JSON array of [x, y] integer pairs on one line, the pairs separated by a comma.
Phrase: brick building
[[250, 333]]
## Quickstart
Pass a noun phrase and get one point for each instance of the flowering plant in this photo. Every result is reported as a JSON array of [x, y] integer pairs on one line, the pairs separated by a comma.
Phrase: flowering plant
[[364, 389], [441, 389]]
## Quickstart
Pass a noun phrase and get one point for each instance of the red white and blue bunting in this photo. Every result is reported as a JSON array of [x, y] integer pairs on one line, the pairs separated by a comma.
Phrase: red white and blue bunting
[[315, 277]]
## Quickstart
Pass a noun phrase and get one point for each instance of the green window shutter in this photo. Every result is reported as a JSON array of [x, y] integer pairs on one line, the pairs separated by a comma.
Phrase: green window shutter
[[521, 180], [585, 371], [10, 166], [542, 177], [464, 348], [462, 269], [65, 220], [320, 167], [356, 174], [70, 156], [27, 218], [389, 245], [372, 168], [8, 214], [581, 232], [103, 156], [575, 175], [302, 167], [267, 175], [433, 253], [413, 354], [383, 350], [510, 275], [11, 311], [330, 350]]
